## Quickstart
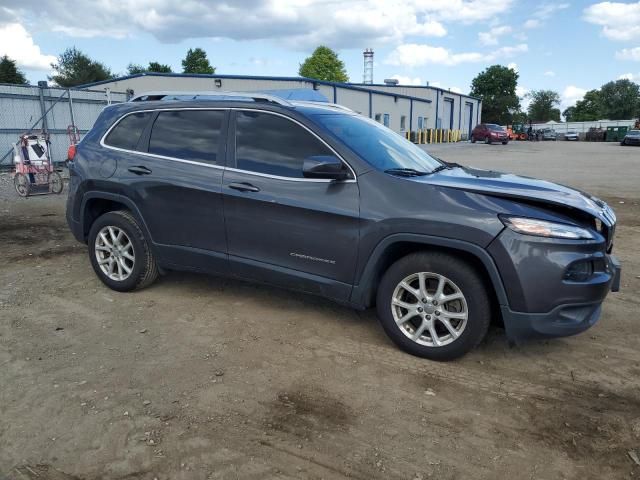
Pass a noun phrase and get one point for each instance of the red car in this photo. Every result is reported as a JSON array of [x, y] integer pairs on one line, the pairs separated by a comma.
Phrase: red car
[[489, 133]]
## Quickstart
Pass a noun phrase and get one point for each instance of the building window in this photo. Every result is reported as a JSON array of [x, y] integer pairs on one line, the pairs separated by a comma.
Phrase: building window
[[386, 120], [378, 117], [420, 123], [403, 123]]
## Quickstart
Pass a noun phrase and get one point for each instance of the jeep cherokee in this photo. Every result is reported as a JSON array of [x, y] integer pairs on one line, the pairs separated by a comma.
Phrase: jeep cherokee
[[316, 198]]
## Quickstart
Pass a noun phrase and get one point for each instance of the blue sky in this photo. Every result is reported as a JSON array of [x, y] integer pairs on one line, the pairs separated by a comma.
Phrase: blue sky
[[569, 47]]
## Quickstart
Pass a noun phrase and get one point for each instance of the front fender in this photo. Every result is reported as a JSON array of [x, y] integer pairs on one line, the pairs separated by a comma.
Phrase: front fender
[[362, 293]]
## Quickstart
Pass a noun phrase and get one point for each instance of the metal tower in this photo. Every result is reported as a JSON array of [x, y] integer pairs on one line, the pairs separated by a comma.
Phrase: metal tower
[[368, 66]]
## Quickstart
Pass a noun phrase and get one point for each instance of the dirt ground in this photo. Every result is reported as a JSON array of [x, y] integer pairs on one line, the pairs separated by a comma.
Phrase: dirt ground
[[206, 378]]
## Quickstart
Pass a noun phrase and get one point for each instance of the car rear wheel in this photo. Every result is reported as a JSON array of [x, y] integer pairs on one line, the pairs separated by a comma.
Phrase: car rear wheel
[[433, 305], [504, 143], [623, 143], [473, 139], [119, 252]]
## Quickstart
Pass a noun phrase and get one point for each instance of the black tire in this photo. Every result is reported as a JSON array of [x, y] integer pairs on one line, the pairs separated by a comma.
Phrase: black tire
[[473, 139], [22, 184], [504, 143], [623, 143], [56, 183], [487, 140], [459, 272], [145, 269]]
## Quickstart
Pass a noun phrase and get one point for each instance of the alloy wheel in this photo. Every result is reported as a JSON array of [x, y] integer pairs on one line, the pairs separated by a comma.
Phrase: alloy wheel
[[429, 309], [114, 253]]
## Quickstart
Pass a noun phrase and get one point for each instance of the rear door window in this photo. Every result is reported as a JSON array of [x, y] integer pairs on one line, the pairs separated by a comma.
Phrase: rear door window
[[127, 132], [194, 135], [273, 145]]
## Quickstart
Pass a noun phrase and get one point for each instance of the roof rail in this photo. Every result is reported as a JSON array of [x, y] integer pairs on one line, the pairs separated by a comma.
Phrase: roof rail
[[185, 95], [322, 104]]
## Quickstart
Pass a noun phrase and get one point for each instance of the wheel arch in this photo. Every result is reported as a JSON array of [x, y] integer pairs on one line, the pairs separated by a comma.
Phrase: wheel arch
[[396, 246], [95, 204]]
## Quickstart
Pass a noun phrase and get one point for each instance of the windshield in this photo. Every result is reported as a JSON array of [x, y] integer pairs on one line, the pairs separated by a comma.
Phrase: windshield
[[498, 128], [379, 146], [571, 132]]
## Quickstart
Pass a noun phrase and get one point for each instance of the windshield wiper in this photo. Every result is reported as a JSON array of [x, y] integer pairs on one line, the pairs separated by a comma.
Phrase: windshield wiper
[[405, 172], [439, 168]]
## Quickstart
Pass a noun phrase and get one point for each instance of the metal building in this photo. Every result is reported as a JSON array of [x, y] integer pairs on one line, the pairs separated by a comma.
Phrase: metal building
[[401, 108]]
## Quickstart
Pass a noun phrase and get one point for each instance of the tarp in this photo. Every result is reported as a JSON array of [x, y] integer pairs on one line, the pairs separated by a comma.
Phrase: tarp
[[305, 94]]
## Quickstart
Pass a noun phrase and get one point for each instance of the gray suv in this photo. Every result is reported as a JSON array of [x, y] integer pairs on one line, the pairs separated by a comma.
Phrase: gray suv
[[316, 198]]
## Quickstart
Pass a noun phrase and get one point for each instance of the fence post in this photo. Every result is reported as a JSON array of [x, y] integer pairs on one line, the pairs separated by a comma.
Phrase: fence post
[[43, 110], [73, 121]]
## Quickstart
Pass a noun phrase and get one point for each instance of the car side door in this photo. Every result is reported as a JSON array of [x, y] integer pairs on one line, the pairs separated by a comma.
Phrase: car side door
[[175, 179], [283, 228]]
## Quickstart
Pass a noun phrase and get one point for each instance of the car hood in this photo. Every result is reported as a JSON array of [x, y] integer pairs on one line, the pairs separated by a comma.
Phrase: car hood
[[517, 187]]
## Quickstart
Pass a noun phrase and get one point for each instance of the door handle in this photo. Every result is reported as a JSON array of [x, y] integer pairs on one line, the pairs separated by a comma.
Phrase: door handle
[[244, 187], [140, 170]]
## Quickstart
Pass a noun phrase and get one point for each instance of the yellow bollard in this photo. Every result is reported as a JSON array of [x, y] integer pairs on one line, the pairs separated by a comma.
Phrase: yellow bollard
[[419, 137]]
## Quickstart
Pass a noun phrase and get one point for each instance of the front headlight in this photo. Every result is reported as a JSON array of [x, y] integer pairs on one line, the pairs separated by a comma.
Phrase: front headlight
[[542, 228]]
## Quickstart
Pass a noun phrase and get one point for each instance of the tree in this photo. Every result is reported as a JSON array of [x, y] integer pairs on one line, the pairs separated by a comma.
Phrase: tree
[[76, 68], [543, 105], [196, 61], [589, 108], [9, 72], [620, 100], [496, 87], [324, 64], [134, 68], [569, 114]]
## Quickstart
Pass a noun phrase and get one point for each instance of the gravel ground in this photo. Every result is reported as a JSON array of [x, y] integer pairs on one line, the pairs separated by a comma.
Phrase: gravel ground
[[204, 378]]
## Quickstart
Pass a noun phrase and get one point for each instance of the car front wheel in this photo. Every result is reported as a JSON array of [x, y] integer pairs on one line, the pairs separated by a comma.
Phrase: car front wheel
[[119, 252], [433, 305]]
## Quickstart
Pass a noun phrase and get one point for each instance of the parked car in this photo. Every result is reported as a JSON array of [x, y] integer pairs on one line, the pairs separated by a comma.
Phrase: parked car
[[631, 138], [571, 135], [317, 198], [489, 133], [549, 134]]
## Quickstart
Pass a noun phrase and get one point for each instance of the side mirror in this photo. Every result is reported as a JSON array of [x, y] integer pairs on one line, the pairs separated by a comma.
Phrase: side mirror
[[324, 166]]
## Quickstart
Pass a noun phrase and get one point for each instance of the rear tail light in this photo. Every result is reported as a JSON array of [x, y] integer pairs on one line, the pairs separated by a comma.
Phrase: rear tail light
[[71, 153]]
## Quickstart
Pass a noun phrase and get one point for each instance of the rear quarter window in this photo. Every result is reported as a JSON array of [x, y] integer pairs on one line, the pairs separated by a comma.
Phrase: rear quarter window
[[127, 132]]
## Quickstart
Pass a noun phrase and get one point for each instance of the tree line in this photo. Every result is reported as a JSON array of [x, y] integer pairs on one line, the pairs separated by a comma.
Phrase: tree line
[[496, 86], [74, 67]]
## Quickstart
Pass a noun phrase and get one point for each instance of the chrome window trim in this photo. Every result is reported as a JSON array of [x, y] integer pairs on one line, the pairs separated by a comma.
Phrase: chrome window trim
[[220, 167]]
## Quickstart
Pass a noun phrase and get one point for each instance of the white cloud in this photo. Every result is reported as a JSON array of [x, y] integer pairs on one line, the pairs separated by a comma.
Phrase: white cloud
[[630, 76], [402, 80], [549, 73], [570, 95], [417, 55], [493, 35], [513, 66], [619, 21], [17, 44], [543, 12], [456, 89], [522, 92], [629, 54], [298, 23]]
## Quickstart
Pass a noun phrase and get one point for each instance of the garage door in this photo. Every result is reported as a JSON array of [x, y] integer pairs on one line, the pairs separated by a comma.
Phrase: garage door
[[467, 119], [447, 117]]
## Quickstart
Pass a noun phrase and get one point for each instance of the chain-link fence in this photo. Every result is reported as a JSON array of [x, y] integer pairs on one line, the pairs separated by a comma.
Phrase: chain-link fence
[[32, 108]]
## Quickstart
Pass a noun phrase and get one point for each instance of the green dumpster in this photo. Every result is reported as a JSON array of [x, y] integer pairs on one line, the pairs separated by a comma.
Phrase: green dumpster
[[616, 134]]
